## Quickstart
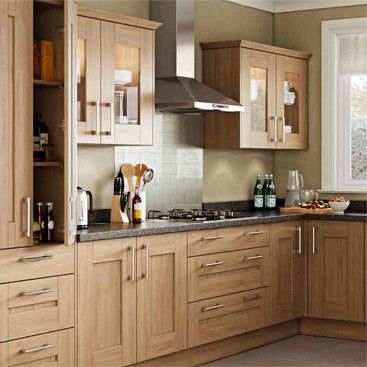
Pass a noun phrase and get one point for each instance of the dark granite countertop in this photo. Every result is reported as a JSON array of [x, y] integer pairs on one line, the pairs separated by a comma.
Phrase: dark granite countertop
[[106, 231]]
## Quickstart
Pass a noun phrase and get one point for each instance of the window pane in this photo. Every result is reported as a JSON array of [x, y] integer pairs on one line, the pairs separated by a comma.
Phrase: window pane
[[358, 119]]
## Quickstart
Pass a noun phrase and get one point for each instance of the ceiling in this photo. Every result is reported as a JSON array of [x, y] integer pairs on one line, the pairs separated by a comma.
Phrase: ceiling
[[281, 6]]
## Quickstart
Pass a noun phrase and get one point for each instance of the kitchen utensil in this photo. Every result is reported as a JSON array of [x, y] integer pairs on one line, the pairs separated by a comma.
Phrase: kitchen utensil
[[128, 171], [147, 176], [298, 210], [139, 171], [294, 186], [339, 207], [309, 195], [82, 207]]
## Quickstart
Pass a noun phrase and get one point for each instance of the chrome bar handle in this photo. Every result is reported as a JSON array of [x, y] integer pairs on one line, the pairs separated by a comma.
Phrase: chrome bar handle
[[212, 238], [35, 258], [207, 265], [254, 233], [314, 248], [97, 130], [27, 231], [282, 138], [209, 308], [34, 293], [275, 129], [257, 297], [255, 257], [146, 275], [108, 104], [132, 276], [32, 350], [299, 229], [274, 138]]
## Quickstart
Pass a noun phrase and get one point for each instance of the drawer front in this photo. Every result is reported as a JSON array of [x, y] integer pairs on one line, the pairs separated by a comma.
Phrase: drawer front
[[225, 273], [222, 317], [36, 306], [47, 350], [35, 262], [227, 239]]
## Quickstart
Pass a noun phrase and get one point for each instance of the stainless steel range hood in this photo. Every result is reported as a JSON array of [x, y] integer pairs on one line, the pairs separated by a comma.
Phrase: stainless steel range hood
[[176, 88]]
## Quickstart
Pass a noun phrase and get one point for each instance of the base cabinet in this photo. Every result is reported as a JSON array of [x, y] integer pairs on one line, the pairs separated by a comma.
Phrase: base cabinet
[[336, 282], [288, 256]]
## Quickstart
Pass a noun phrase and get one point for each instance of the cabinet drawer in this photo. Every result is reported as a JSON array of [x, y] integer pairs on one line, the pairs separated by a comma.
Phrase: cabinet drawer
[[222, 317], [230, 272], [36, 306], [227, 239], [47, 350], [35, 262]]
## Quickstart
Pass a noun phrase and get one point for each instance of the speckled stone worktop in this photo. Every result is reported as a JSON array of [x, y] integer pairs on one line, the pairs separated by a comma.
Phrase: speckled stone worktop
[[106, 231]]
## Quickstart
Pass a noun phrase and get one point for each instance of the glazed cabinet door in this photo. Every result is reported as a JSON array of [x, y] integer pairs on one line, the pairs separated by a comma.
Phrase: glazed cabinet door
[[258, 81], [288, 258], [107, 303], [161, 295], [132, 80], [336, 270], [292, 131], [88, 66], [16, 112]]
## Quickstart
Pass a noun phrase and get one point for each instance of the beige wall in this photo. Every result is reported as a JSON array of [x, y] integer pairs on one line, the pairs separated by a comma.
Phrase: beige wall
[[301, 30], [230, 174]]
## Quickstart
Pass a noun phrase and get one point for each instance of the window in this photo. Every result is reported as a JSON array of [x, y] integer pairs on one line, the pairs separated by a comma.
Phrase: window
[[344, 105]]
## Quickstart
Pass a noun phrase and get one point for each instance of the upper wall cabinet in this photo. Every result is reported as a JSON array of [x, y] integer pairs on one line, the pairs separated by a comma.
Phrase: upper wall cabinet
[[270, 82], [115, 75]]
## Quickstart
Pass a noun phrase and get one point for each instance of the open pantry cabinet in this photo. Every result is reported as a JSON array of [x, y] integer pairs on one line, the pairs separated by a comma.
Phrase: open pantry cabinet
[[54, 180]]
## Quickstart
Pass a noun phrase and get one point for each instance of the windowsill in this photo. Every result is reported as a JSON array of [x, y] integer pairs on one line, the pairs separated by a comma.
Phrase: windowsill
[[322, 191]]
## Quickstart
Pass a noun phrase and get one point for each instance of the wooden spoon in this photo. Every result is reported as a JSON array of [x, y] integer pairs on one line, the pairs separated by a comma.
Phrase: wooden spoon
[[139, 171], [128, 171]]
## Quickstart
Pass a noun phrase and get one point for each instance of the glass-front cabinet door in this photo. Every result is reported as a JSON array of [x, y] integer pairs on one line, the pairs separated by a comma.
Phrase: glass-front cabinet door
[[291, 103], [259, 96]]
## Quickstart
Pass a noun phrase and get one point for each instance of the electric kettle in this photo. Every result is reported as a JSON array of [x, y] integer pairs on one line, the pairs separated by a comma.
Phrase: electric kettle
[[82, 207], [294, 186]]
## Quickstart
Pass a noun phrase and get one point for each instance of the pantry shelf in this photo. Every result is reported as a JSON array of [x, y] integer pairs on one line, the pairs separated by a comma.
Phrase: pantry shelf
[[47, 164], [47, 83]]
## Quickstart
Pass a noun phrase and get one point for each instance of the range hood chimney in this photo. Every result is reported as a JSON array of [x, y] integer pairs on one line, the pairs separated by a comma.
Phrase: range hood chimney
[[176, 88]]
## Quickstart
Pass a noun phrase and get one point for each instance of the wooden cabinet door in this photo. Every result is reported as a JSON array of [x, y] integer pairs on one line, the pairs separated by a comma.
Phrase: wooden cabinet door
[[134, 94], [106, 303], [161, 295], [88, 80], [258, 80], [292, 130], [287, 264], [336, 270], [16, 113], [70, 114]]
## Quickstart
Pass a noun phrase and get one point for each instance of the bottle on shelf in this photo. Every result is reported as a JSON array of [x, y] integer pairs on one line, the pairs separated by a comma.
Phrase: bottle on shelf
[[258, 194], [137, 209], [37, 223], [270, 194], [40, 139], [49, 222]]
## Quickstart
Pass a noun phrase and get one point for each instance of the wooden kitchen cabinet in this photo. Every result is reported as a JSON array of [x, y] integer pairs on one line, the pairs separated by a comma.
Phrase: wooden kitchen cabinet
[[256, 75], [106, 303], [288, 257], [161, 295], [336, 288], [16, 114], [115, 98]]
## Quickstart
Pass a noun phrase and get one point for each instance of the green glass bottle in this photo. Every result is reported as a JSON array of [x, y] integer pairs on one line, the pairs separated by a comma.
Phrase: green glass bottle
[[270, 195], [265, 184], [258, 194]]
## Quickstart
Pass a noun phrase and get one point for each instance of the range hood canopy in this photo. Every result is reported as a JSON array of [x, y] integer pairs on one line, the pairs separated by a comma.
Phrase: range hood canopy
[[176, 88]]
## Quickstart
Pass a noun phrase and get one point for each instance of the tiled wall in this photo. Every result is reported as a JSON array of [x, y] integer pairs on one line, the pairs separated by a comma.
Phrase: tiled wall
[[177, 161]]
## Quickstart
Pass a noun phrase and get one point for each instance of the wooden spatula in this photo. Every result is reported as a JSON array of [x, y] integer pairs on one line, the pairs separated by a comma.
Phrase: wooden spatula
[[139, 171], [128, 171]]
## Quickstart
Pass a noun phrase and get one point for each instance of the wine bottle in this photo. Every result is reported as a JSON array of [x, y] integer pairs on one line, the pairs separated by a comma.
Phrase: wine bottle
[[270, 195], [137, 209], [258, 194], [265, 185]]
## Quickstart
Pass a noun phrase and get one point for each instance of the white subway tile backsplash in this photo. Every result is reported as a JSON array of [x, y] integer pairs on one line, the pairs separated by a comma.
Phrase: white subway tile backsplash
[[177, 161]]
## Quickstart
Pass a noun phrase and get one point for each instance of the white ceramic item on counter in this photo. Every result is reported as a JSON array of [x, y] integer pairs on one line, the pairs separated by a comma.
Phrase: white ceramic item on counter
[[339, 207]]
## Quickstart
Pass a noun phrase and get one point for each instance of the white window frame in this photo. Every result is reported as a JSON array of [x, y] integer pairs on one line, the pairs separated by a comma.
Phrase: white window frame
[[335, 163]]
